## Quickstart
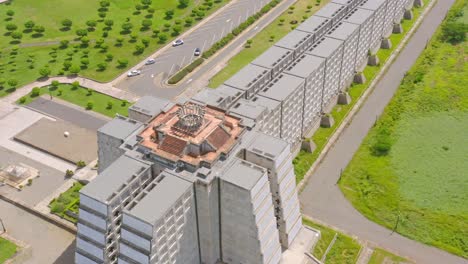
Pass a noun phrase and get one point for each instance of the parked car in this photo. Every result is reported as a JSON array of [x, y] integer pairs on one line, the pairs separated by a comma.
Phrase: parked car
[[150, 61], [177, 42], [197, 52], [133, 73]]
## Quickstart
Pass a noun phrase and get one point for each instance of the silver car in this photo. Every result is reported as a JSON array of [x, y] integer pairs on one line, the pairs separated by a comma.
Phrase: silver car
[[133, 73]]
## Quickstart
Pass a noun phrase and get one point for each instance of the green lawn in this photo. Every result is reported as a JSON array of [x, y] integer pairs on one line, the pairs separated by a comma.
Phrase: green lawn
[[380, 256], [345, 250], [262, 41], [81, 97], [22, 60], [304, 160], [67, 204], [7, 250], [411, 170]]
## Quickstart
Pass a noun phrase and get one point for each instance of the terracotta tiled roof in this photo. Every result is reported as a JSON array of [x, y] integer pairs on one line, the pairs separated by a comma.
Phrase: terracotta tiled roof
[[218, 137], [173, 145]]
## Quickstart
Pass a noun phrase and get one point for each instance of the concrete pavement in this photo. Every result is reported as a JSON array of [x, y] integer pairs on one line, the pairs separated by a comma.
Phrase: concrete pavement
[[49, 244], [322, 199], [151, 81]]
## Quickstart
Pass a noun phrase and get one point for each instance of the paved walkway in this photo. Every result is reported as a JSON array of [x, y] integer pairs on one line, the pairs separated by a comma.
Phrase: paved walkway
[[323, 200], [105, 88]]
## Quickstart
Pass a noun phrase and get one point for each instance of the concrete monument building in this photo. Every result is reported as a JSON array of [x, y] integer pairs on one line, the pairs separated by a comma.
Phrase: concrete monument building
[[209, 179]]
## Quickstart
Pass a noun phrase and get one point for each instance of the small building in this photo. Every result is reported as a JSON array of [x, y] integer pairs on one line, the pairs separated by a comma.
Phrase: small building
[[250, 79], [379, 7], [332, 51], [349, 34], [364, 19], [289, 91], [334, 12], [275, 59], [297, 41], [222, 97], [146, 108], [315, 25], [312, 70]]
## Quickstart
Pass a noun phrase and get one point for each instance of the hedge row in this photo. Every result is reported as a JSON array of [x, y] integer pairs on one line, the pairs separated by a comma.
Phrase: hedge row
[[188, 69], [239, 29], [223, 42]]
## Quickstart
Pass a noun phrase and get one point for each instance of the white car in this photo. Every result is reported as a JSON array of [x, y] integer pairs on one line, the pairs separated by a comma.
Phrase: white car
[[150, 61], [133, 73], [177, 42], [197, 52]]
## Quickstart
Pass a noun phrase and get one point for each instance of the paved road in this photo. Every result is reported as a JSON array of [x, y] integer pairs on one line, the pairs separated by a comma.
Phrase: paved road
[[49, 243], [323, 200], [150, 82], [69, 114]]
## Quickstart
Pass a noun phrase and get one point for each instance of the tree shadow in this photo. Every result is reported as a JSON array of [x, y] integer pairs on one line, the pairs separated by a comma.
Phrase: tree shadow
[[64, 29], [27, 31], [37, 35], [15, 42]]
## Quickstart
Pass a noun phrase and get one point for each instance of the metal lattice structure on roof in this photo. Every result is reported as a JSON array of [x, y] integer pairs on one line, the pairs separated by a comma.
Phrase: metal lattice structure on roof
[[190, 117]]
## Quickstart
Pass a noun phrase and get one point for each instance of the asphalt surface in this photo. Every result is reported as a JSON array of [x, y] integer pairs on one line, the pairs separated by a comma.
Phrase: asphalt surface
[[69, 114], [151, 81], [323, 200]]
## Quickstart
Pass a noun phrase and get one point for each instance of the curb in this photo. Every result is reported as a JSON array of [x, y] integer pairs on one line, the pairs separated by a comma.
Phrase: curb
[[349, 117]]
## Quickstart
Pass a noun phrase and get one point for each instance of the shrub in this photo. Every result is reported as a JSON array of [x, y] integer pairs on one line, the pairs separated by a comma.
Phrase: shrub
[[30, 182], [89, 105], [122, 63], [75, 85], [110, 105], [35, 92], [55, 83], [454, 32], [22, 100], [69, 173]]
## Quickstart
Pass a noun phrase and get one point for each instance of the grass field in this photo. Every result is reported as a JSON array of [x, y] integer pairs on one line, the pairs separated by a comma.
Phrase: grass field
[[81, 97], [345, 250], [7, 250], [410, 173], [67, 204], [22, 59], [304, 160], [380, 256], [262, 41]]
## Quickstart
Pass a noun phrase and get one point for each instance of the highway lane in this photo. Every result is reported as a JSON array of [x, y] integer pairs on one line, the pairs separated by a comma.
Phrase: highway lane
[[203, 37], [323, 200]]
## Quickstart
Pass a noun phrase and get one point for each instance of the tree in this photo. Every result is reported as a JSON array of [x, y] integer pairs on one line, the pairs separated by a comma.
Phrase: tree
[[176, 30], [188, 21], [104, 3], [81, 32], [29, 24], [89, 106], [84, 61], [91, 24], [162, 38], [67, 23], [16, 35], [146, 23], [102, 66], [109, 57], [69, 173], [64, 43], [12, 83], [126, 27], [249, 43], [146, 2], [139, 49], [11, 27], [55, 83], [102, 14], [110, 104], [66, 65], [2, 82], [169, 14], [74, 69], [122, 62], [75, 85], [44, 72], [39, 29], [10, 13], [183, 3], [109, 22], [145, 41], [84, 41], [35, 92], [119, 41]]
